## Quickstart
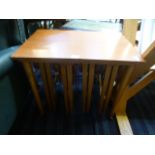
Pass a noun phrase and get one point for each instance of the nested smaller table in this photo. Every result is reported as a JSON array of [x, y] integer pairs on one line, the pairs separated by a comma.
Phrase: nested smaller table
[[69, 47]]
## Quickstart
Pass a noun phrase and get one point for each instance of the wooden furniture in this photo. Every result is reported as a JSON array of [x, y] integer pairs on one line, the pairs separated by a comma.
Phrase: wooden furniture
[[130, 27], [88, 49], [141, 76]]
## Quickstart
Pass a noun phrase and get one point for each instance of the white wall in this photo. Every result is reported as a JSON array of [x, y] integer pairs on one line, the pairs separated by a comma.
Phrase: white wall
[[147, 34]]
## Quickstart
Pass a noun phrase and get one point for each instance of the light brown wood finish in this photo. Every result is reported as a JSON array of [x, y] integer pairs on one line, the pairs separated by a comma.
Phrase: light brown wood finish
[[110, 86], [70, 86], [45, 82], [100, 83], [78, 47], [130, 27], [90, 85], [32, 80], [148, 56], [50, 82], [129, 92], [69, 46], [152, 68], [64, 81], [122, 102], [104, 87], [84, 84], [140, 84], [117, 105], [125, 90], [124, 124]]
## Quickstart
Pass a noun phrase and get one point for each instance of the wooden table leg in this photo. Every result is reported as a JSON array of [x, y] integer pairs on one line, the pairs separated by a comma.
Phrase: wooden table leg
[[33, 83], [90, 85], [70, 88], [64, 81], [119, 106], [104, 87], [84, 84], [50, 82], [110, 86], [121, 94], [44, 79], [124, 124]]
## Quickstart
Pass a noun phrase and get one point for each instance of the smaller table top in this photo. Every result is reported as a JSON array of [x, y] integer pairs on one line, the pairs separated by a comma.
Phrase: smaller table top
[[70, 45]]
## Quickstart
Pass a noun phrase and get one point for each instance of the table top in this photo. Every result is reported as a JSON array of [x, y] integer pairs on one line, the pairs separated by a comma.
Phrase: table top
[[70, 45]]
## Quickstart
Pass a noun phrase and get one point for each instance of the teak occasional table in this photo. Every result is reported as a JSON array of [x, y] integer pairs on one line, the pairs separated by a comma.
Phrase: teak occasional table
[[68, 47]]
